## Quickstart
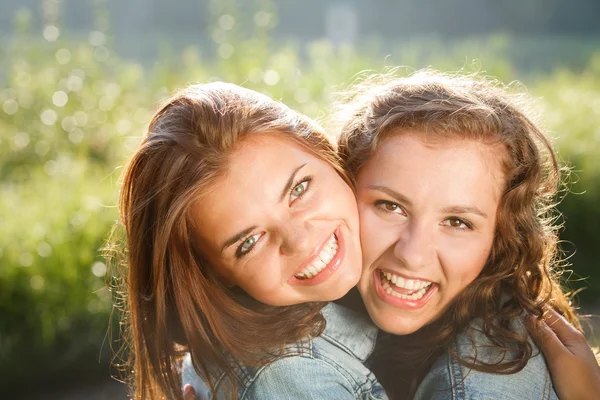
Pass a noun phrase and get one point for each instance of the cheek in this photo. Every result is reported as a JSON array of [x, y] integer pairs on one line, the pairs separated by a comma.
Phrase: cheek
[[262, 272], [341, 198], [463, 262], [372, 236]]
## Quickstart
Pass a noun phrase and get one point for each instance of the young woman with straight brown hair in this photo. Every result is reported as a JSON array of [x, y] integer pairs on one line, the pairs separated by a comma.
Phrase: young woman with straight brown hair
[[235, 266]]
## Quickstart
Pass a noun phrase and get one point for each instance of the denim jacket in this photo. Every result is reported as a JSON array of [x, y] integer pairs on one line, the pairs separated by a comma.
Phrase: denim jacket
[[449, 380], [326, 367]]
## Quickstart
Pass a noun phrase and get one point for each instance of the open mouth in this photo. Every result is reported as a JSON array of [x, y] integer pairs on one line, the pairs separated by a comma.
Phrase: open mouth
[[321, 261], [403, 288]]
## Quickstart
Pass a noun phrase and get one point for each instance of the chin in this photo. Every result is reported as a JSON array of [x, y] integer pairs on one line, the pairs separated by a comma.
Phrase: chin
[[343, 286], [396, 327]]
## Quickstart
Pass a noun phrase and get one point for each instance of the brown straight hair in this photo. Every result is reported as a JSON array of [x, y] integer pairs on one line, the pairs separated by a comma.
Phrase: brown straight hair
[[173, 300], [524, 263]]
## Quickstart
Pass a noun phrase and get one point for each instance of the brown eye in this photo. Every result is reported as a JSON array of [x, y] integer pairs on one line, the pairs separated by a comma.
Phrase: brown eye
[[391, 207], [457, 223]]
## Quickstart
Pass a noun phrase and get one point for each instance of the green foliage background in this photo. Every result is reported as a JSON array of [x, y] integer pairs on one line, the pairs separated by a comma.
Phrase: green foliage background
[[71, 111]]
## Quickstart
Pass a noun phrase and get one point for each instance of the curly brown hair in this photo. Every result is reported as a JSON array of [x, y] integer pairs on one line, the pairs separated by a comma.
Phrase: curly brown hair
[[524, 263], [172, 299]]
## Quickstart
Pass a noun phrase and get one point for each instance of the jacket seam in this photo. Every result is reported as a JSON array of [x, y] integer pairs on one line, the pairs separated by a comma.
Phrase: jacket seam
[[457, 379]]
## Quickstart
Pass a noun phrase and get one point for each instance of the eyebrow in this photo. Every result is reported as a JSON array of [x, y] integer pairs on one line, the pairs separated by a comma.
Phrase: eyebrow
[[285, 191], [392, 193], [464, 210]]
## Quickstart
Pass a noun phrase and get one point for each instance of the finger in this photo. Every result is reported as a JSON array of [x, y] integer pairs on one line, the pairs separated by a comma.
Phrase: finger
[[188, 392], [546, 339], [566, 332]]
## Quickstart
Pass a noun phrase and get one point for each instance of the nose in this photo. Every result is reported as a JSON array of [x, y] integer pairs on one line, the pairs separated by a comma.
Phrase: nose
[[297, 238], [415, 246]]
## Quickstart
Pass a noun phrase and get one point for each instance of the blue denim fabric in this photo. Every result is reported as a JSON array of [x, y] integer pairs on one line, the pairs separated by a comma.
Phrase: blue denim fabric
[[449, 380], [327, 367]]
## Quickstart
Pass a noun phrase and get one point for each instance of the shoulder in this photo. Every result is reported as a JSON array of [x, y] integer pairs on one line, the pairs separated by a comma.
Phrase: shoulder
[[245, 377], [448, 379], [301, 377], [329, 366]]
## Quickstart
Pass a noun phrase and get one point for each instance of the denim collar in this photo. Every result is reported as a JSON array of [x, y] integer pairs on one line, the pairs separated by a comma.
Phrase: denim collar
[[349, 330]]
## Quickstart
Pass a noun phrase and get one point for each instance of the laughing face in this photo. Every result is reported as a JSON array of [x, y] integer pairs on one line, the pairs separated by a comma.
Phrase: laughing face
[[428, 217], [281, 224]]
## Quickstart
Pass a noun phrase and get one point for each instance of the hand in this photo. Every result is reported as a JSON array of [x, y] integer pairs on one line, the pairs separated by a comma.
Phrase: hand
[[573, 366], [189, 393]]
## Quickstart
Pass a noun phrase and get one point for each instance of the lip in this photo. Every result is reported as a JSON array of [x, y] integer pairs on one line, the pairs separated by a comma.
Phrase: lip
[[329, 269], [402, 303]]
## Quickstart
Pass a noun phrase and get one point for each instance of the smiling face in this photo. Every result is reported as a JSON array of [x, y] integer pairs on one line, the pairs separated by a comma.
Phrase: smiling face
[[428, 217], [281, 224]]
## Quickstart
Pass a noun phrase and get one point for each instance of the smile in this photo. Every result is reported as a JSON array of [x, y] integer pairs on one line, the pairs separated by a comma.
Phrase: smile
[[327, 253], [404, 288]]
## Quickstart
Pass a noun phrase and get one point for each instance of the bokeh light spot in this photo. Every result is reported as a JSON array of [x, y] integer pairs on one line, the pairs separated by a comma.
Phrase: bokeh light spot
[[69, 123], [44, 249], [226, 50], [48, 117], [271, 77], [63, 56], [262, 18], [76, 136], [99, 269], [226, 22], [97, 38], [51, 167], [21, 140], [26, 259], [74, 83], [10, 106], [41, 148], [51, 33], [106, 103], [82, 118], [113, 90], [60, 98], [36, 282], [124, 126]]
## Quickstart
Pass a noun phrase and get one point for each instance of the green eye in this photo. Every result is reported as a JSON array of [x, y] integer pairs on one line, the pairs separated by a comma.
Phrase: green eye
[[299, 190], [248, 244]]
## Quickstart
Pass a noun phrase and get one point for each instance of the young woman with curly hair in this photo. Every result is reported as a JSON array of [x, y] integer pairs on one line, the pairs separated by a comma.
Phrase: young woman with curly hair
[[455, 188]]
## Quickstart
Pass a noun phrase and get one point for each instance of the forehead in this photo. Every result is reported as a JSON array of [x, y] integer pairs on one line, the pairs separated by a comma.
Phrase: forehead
[[262, 154], [409, 159]]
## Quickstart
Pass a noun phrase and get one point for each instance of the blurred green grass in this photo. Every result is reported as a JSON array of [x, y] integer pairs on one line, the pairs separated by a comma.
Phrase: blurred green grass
[[72, 111]]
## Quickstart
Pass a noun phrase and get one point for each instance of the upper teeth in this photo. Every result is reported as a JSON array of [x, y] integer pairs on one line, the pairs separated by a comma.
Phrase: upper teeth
[[404, 283], [321, 260]]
